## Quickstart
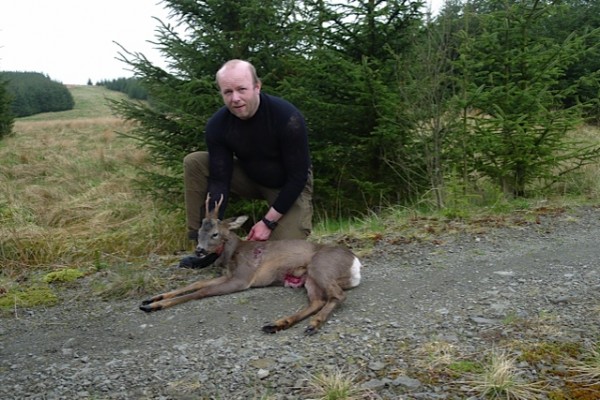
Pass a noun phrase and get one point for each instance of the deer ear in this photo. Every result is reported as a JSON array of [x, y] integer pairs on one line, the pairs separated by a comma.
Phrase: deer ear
[[236, 222]]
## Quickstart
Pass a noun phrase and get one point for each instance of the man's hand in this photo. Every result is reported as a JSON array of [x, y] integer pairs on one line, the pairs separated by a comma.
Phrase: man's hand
[[259, 232]]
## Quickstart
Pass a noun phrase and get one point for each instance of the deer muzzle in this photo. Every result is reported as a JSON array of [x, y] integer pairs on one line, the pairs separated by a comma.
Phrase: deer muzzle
[[201, 252]]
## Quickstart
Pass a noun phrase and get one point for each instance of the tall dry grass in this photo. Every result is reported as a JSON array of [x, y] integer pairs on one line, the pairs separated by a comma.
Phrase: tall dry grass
[[67, 197]]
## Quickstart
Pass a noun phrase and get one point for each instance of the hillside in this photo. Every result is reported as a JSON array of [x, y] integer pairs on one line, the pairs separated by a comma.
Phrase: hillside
[[90, 102]]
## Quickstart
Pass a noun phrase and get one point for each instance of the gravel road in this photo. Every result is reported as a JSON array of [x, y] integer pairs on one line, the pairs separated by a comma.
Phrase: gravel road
[[422, 305]]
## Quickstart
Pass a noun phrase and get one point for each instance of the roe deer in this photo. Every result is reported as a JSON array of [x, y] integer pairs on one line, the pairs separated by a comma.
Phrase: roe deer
[[325, 271]]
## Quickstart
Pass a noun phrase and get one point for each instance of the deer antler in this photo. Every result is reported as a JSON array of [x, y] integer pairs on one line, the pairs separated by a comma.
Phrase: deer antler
[[215, 212]]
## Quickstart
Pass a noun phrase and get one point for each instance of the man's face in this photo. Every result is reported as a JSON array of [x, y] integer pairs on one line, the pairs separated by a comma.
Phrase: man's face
[[240, 94]]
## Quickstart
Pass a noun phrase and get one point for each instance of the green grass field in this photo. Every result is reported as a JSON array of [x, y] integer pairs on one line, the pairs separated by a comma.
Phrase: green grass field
[[90, 102]]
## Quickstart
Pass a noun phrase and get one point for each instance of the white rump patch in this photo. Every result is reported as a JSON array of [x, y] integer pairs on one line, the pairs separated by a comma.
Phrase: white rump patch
[[355, 272]]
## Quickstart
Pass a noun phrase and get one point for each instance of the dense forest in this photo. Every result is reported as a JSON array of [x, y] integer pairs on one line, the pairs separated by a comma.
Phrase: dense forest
[[403, 107], [33, 93], [129, 86]]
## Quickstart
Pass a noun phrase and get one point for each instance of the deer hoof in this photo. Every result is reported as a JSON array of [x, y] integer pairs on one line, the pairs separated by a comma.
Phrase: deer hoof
[[147, 308], [310, 330], [270, 328], [153, 299]]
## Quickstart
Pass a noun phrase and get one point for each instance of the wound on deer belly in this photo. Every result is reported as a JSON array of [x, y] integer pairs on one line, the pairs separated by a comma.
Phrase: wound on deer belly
[[293, 281]]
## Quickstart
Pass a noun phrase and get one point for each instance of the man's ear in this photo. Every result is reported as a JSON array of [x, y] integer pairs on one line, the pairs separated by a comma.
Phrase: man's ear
[[236, 222]]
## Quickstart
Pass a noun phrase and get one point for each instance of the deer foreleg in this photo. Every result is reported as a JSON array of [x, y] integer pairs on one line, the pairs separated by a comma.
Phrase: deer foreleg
[[197, 290], [186, 289]]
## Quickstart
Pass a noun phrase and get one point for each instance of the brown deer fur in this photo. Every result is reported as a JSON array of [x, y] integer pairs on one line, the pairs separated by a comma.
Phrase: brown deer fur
[[324, 270]]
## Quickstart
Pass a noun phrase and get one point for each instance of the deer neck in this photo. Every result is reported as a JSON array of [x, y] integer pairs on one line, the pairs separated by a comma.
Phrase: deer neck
[[229, 247]]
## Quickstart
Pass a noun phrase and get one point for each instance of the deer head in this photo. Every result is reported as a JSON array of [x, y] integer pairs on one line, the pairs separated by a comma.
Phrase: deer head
[[214, 233]]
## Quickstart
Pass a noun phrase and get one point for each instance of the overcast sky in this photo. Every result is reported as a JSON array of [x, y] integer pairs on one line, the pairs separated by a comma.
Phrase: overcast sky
[[72, 41]]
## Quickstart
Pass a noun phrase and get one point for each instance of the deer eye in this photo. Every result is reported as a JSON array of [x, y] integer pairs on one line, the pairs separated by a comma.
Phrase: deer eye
[[215, 235]]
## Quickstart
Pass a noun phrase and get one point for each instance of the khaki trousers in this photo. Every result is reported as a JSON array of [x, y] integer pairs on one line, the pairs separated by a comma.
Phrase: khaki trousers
[[295, 224]]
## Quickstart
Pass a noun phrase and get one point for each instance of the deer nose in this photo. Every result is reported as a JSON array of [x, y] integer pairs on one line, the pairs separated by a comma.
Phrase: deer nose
[[201, 252]]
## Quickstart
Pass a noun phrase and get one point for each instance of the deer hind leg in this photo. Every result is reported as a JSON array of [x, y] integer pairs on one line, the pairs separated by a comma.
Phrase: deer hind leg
[[335, 296], [322, 302], [316, 302]]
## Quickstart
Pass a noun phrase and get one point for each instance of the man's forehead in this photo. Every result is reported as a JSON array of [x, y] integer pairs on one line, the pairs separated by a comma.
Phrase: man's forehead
[[235, 76]]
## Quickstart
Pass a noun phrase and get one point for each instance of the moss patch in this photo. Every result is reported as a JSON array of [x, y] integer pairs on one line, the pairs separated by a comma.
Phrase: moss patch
[[63, 275], [28, 297]]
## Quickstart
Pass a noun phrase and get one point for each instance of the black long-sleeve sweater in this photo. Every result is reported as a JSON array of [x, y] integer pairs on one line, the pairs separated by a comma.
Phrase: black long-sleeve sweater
[[272, 148]]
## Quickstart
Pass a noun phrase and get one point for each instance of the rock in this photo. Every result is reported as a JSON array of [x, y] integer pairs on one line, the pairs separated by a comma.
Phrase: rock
[[262, 373], [373, 384], [483, 321], [406, 382], [376, 366]]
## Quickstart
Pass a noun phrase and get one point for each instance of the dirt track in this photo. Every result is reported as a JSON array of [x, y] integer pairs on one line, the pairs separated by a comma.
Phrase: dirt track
[[467, 292]]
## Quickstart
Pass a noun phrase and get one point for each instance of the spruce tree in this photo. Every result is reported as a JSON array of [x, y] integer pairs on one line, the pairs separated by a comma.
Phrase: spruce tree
[[515, 123], [327, 59], [6, 117], [345, 86], [198, 38]]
